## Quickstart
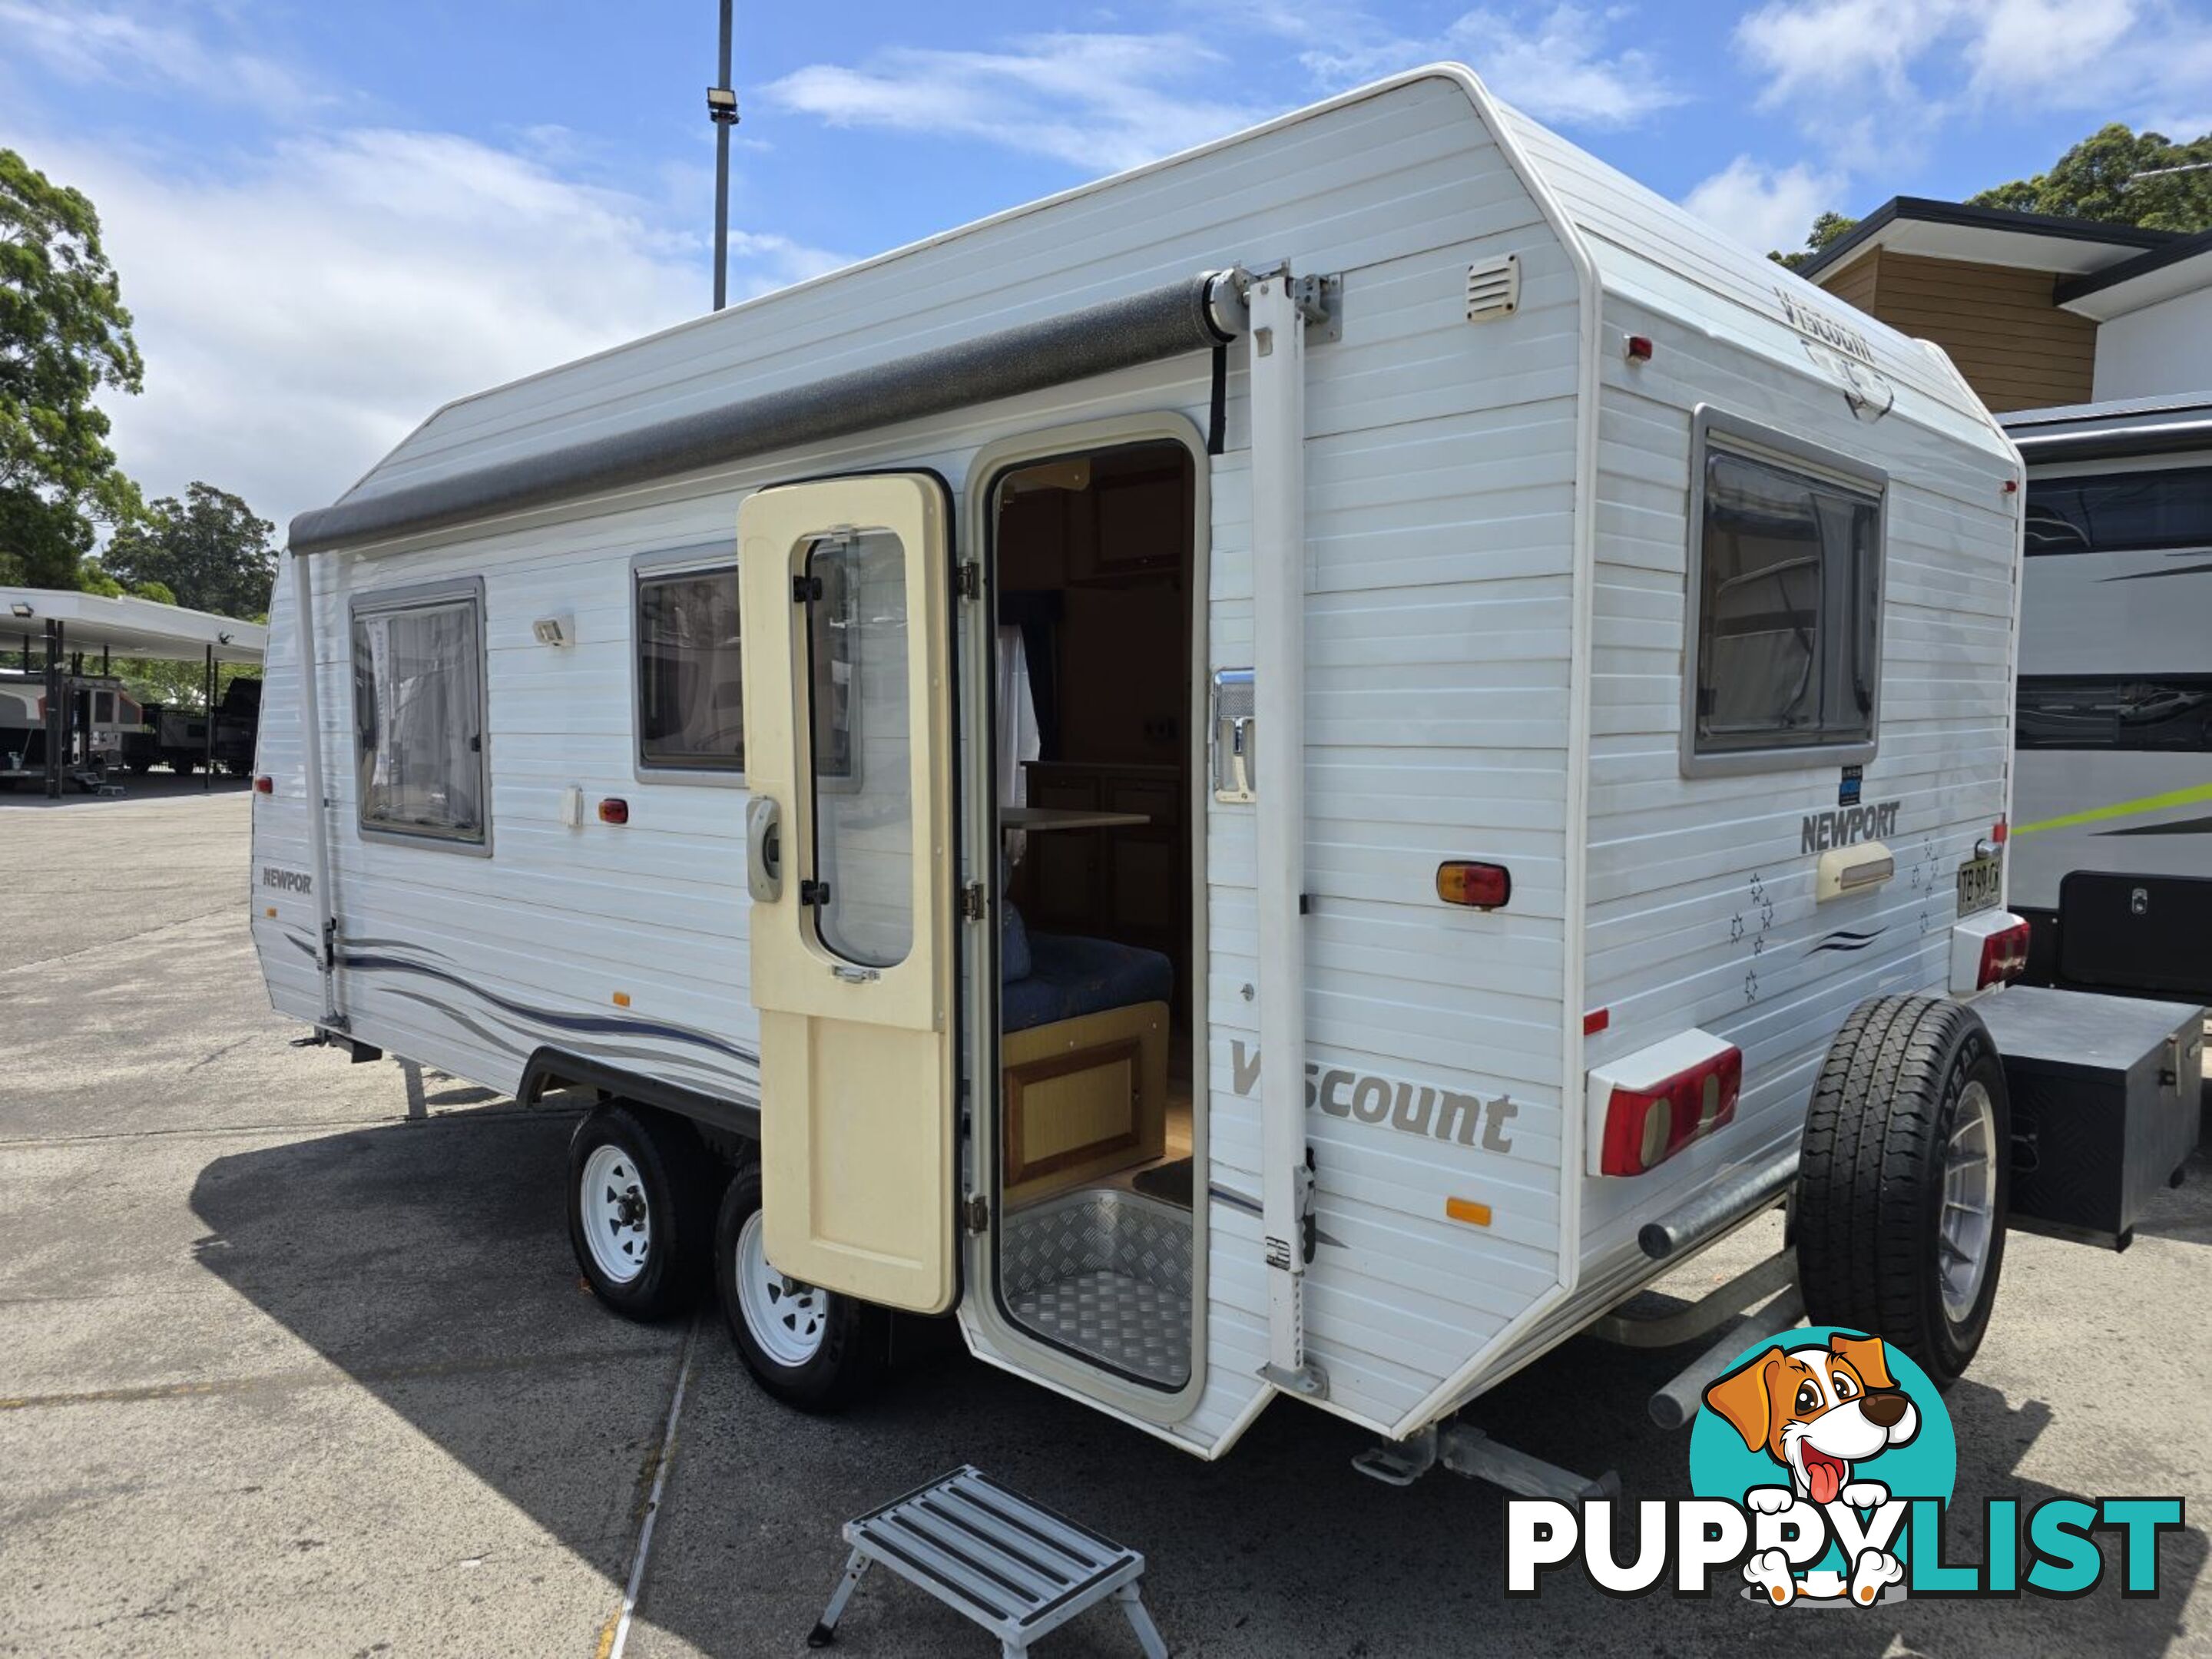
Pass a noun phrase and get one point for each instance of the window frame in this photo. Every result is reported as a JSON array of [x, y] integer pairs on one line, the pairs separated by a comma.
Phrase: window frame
[[1753, 441], [699, 560], [383, 601]]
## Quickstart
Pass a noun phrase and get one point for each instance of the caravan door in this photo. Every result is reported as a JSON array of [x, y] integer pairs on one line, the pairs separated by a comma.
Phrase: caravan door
[[844, 589]]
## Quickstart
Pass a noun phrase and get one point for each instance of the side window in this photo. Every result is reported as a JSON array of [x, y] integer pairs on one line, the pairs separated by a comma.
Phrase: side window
[[2121, 513], [690, 689], [418, 699], [1785, 586]]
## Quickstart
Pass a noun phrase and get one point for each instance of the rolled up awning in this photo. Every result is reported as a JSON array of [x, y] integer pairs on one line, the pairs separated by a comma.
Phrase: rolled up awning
[[1196, 313]]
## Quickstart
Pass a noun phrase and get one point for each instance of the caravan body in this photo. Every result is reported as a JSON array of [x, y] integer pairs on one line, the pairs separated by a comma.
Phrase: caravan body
[[2115, 730], [1639, 632]]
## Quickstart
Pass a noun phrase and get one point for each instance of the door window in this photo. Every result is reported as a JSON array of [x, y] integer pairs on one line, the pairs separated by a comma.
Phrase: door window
[[860, 746]]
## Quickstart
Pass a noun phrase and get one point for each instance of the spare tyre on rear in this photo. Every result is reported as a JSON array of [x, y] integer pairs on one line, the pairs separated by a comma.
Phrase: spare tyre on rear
[[1905, 1179]]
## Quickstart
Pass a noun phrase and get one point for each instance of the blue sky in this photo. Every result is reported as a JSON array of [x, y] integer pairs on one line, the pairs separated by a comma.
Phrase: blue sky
[[330, 217]]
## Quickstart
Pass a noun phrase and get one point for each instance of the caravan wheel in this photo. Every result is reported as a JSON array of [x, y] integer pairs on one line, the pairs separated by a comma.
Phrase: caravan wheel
[[809, 1348], [639, 1206], [1904, 1181]]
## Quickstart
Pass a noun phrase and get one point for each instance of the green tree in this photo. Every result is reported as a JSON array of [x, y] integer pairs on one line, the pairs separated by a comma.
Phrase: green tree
[[63, 335], [1828, 229], [209, 550], [2103, 178]]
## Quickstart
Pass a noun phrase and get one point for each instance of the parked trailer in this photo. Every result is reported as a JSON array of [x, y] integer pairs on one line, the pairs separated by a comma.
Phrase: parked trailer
[[2115, 733], [1288, 774]]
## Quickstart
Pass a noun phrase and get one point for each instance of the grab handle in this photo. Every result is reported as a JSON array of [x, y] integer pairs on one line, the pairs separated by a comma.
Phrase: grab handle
[[763, 849]]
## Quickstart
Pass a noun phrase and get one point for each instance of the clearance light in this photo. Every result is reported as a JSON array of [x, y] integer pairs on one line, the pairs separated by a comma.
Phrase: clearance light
[[614, 809], [1596, 1021], [1644, 1127], [1467, 1210], [1639, 348], [1999, 831], [264, 786], [1479, 886], [2005, 956]]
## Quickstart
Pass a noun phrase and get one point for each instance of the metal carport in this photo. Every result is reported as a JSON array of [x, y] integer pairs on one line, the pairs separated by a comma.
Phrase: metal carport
[[73, 623]]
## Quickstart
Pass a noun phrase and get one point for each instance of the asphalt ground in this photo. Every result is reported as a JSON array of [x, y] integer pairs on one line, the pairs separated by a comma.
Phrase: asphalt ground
[[282, 1371]]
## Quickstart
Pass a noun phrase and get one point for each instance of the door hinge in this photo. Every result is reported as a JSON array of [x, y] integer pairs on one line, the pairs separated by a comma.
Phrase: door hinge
[[968, 580], [976, 1214], [805, 590], [972, 905]]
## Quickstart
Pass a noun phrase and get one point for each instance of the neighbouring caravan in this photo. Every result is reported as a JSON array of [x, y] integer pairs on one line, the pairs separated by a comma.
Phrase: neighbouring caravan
[[2112, 852], [1288, 774]]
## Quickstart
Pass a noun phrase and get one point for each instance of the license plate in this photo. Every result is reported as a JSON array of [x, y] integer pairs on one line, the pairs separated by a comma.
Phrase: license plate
[[1980, 880]]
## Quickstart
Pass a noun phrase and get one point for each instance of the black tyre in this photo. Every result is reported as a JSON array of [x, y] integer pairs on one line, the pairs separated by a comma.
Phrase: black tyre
[[810, 1348], [1904, 1181], [140, 765], [183, 769], [640, 1209]]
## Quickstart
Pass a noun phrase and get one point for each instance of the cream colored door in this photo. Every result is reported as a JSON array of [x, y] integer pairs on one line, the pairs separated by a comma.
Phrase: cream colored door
[[843, 585]]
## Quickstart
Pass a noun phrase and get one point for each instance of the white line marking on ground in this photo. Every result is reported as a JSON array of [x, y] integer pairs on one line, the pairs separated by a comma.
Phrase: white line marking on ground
[[613, 1649]]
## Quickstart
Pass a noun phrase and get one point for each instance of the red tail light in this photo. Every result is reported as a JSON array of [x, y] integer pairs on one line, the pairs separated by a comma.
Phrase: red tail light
[[2004, 956], [1480, 886], [264, 786], [1644, 1127]]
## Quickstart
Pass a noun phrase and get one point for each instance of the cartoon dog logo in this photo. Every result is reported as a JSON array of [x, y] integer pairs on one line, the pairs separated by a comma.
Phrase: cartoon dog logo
[[1820, 1412]]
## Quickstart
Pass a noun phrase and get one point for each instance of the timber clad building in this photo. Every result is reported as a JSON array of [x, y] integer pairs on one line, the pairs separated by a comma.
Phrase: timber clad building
[[2035, 311]]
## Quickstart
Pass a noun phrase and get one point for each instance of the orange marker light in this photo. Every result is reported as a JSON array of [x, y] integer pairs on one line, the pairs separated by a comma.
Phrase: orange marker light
[[622, 999], [1480, 886], [1467, 1210]]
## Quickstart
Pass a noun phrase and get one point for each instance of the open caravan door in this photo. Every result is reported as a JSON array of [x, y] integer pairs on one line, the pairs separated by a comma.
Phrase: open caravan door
[[843, 588]]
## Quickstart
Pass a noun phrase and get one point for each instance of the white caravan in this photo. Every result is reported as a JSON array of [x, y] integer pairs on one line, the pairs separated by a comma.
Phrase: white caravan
[[1274, 775], [2112, 855]]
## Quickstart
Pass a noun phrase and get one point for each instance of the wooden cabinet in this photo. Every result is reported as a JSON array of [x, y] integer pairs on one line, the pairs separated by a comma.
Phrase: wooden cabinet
[[1131, 883]]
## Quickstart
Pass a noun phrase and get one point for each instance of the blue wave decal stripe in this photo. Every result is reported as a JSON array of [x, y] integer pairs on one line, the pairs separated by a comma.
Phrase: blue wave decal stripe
[[611, 1026]]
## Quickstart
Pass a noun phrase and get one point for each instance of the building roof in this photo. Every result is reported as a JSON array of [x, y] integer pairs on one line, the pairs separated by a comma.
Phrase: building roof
[[2160, 273], [1989, 236], [127, 626]]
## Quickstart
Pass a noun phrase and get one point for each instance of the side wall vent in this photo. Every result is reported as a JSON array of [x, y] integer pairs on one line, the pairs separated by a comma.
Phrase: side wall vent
[[1493, 288]]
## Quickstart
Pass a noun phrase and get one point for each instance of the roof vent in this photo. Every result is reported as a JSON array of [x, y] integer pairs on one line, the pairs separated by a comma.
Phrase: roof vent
[[1493, 288]]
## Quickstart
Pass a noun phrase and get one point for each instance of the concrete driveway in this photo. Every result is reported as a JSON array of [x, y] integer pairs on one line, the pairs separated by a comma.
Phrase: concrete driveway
[[286, 1372]]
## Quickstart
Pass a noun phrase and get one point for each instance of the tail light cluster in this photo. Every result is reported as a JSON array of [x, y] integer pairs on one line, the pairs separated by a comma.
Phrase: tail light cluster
[[1644, 1126], [2005, 956]]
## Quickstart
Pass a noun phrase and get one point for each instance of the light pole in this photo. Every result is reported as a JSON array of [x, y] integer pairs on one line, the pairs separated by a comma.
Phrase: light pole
[[723, 111]]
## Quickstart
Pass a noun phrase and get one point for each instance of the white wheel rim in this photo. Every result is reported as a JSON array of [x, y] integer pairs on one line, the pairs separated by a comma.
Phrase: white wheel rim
[[618, 1221], [787, 1319], [1970, 1200]]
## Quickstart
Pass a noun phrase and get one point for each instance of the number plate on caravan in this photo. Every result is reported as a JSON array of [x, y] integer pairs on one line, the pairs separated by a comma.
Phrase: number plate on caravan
[[1979, 882]]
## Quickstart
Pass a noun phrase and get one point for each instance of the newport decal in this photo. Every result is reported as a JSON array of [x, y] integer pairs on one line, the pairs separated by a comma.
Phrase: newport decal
[[1411, 1109], [1846, 826], [1824, 1464], [280, 880]]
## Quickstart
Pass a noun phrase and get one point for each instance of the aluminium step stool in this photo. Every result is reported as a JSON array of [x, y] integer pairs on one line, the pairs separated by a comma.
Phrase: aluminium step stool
[[1013, 1566]]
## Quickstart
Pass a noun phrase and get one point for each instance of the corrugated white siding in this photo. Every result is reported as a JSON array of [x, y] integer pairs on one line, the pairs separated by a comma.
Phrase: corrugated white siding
[[1701, 910]]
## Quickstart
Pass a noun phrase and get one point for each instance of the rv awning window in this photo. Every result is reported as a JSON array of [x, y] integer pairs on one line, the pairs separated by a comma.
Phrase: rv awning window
[[1785, 602]]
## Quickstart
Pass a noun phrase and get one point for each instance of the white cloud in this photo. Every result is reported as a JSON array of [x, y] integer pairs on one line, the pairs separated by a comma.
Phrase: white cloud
[[118, 47], [1871, 75], [1557, 65], [1100, 102], [1766, 208], [301, 311]]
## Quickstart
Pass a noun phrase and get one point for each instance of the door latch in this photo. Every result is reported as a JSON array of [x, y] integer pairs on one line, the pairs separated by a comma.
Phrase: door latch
[[805, 590], [813, 892]]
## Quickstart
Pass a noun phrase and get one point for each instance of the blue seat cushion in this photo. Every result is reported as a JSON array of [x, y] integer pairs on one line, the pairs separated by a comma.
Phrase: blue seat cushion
[[1013, 945], [1071, 975]]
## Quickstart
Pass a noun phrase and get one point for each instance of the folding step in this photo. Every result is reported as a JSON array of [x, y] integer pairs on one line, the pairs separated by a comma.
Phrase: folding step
[[994, 1556]]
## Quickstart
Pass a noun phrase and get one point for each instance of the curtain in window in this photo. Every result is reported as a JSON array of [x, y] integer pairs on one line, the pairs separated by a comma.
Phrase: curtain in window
[[419, 696]]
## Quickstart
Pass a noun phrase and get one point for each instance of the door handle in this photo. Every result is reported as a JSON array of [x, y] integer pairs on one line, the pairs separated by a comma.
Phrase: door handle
[[763, 849]]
